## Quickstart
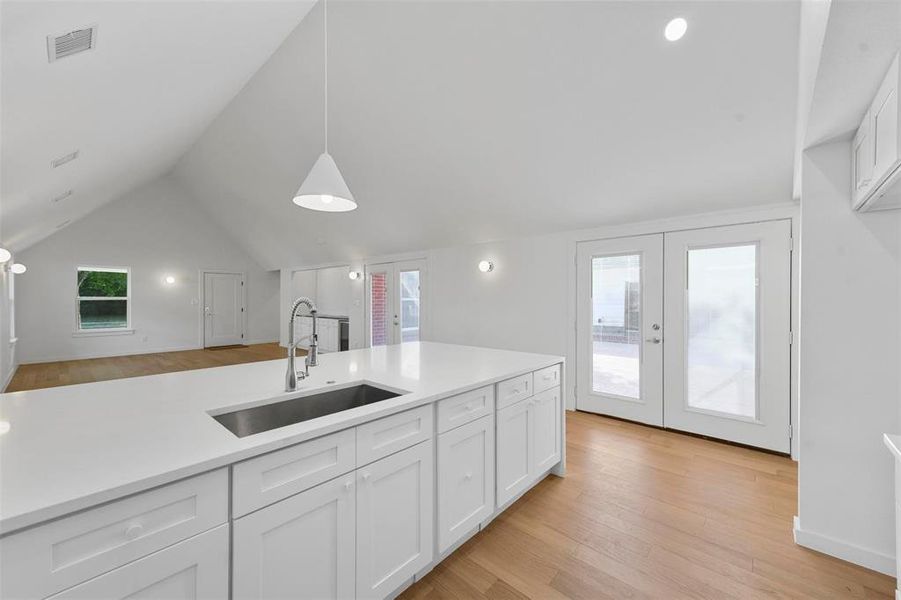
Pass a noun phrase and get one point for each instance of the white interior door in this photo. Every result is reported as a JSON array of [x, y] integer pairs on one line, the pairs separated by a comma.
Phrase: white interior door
[[727, 358], [223, 309], [620, 319], [395, 300]]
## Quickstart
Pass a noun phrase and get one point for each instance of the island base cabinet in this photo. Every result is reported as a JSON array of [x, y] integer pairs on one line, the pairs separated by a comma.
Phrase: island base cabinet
[[465, 479], [300, 548], [395, 520], [514, 449], [546, 430], [528, 443], [194, 569]]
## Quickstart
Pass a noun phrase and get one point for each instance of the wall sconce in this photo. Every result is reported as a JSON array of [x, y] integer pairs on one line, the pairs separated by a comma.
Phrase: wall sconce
[[354, 275], [5, 255], [18, 268], [486, 266], [170, 279]]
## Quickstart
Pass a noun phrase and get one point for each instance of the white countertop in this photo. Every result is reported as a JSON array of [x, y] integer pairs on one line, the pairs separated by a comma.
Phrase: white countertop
[[71, 447], [893, 442]]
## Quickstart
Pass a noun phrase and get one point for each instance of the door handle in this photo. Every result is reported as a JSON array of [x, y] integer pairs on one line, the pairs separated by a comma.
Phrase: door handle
[[653, 340]]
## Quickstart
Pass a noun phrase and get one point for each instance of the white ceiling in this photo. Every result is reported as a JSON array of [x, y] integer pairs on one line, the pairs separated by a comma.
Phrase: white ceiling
[[133, 106], [458, 122], [861, 39], [453, 122]]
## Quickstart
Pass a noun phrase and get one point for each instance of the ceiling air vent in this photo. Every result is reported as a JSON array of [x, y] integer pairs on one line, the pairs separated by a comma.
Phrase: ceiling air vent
[[73, 42], [58, 162], [61, 197]]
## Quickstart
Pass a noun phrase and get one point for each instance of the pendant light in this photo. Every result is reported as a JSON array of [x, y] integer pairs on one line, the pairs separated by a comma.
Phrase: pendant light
[[324, 188]]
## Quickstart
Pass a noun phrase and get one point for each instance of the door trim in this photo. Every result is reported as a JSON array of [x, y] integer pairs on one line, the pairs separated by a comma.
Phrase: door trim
[[201, 321]]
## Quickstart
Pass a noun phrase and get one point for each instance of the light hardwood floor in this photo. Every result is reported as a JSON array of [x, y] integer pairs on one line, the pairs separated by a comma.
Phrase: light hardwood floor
[[647, 513], [43, 375]]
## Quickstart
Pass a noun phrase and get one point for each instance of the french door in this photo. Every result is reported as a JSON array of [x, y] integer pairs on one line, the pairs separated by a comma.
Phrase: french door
[[690, 330], [394, 302], [620, 315]]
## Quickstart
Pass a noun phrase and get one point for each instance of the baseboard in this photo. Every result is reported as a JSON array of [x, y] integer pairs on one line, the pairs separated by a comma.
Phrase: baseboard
[[9, 378], [864, 557], [265, 341]]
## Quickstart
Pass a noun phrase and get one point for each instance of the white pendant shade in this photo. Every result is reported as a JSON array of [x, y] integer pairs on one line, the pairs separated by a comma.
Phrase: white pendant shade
[[324, 188]]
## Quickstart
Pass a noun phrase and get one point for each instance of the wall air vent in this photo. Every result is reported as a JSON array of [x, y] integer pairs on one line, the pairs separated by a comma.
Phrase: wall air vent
[[58, 162], [61, 197], [72, 42]]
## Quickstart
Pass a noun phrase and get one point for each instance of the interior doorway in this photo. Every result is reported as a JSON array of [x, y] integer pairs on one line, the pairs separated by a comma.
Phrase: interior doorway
[[223, 309]]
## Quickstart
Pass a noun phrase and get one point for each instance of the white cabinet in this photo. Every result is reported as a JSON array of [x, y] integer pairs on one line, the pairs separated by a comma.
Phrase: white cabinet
[[328, 330], [395, 519], [302, 547], [876, 149], [329, 335], [55, 556], [194, 569], [514, 448], [465, 479], [545, 430], [528, 442]]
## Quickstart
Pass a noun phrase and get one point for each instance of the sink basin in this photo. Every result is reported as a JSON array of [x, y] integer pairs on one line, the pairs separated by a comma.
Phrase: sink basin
[[257, 419]]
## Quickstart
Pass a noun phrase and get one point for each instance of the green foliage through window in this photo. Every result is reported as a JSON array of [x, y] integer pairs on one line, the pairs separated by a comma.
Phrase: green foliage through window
[[102, 284]]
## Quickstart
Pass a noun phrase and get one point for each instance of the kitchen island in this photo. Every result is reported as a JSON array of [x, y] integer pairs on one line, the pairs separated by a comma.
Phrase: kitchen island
[[113, 487]]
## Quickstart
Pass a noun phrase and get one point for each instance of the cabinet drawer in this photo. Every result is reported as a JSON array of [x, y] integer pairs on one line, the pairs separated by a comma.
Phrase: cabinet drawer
[[46, 559], [545, 379], [463, 408], [195, 569], [511, 391], [386, 436], [265, 479]]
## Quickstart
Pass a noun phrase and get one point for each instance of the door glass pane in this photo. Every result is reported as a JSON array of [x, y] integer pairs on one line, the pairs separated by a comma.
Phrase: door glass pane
[[409, 306], [721, 345], [378, 306], [616, 324]]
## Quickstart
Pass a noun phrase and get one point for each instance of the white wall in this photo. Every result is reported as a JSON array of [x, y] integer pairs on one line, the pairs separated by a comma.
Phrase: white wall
[[850, 390], [156, 231], [334, 291]]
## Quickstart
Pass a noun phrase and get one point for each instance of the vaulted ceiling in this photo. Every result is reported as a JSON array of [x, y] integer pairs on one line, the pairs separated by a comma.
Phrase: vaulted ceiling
[[453, 122], [457, 122], [131, 107]]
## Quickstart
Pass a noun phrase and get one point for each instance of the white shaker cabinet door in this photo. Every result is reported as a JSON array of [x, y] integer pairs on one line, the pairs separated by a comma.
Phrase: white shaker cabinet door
[[299, 548], [194, 569], [395, 519], [514, 450], [465, 479], [546, 430]]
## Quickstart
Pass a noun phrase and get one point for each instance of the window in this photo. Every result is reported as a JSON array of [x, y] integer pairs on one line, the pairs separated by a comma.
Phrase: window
[[103, 299]]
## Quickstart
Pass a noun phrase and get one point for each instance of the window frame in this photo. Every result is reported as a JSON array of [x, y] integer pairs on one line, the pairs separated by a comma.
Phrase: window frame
[[79, 331]]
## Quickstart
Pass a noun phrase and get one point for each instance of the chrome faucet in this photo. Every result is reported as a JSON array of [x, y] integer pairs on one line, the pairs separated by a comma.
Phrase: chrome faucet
[[312, 358]]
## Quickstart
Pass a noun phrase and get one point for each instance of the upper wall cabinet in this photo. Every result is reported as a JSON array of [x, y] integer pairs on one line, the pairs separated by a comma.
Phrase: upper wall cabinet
[[876, 150]]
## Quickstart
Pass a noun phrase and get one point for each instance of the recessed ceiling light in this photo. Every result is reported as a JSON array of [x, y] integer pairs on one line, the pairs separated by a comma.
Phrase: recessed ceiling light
[[675, 29]]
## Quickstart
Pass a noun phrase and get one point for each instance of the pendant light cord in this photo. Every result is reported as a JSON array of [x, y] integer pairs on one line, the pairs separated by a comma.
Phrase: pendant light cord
[[325, 54]]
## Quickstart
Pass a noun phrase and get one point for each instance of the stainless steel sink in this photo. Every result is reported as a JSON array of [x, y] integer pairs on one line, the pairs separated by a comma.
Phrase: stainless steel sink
[[256, 419]]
